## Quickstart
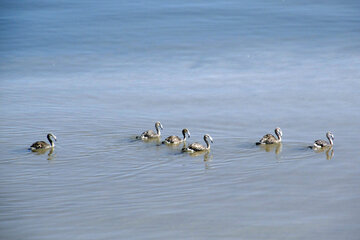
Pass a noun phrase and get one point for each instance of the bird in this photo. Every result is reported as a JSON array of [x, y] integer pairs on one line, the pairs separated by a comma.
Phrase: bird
[[197, 147], [270, 139], [43, 145], [322, 144], [175, 139], [150, 134]]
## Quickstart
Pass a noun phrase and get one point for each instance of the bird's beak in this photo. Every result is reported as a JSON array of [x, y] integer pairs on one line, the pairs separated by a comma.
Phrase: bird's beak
[[161, 127]]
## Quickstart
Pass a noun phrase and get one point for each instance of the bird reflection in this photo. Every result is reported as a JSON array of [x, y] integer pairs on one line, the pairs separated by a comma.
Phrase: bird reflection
[[50, 152], [152, 140], [207, 156], [176, 145], [51, 155], [329, 152], [276, 147]]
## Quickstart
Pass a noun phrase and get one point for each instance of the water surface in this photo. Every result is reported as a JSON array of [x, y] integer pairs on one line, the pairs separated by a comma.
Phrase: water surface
[[97, 74]]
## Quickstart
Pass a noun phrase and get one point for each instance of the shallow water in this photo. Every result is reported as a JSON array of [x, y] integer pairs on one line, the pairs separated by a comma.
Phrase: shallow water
[[97, 74]]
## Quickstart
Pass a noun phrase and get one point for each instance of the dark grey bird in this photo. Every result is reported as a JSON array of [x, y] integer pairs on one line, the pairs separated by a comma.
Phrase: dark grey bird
[[175, 139], [150, 133], [321, 143], [43, 145], [270, 139], [197, 147]]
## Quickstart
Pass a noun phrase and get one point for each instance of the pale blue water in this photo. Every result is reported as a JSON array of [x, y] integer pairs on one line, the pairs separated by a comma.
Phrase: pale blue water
[[98, 73]]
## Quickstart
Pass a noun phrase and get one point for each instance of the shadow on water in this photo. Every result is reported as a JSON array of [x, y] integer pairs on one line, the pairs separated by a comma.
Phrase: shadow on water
[[134, 139]]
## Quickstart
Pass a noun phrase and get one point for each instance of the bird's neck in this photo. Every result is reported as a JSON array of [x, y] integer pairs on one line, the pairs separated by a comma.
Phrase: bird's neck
[[207, 143], [158, 132], [331, 141], [279, 136], [184, 136], [51, 141]]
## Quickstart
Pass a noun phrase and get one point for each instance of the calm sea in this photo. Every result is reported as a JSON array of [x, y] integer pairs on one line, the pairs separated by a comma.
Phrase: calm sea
[[99, 73]]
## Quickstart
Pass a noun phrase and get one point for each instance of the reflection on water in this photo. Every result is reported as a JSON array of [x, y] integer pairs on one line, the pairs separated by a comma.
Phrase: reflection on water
[[49, 152], [276, 147], [175, 146], [152, 140], [206, 154], [329, 152]]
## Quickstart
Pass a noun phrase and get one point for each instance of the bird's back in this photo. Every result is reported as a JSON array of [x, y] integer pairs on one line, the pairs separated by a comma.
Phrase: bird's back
[[149, 133], [196, 147], [39, 145], [173, 139], [268, 139], [320, 143]]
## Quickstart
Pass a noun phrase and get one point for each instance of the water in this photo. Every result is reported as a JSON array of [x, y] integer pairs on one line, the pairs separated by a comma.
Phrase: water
[[98, 73]]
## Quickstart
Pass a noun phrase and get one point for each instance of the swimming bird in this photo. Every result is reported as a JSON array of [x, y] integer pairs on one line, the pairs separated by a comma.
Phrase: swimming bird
[[197, 147], [270, 139], [43, 145], [150, 133], [175, 139], [321, 143]]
